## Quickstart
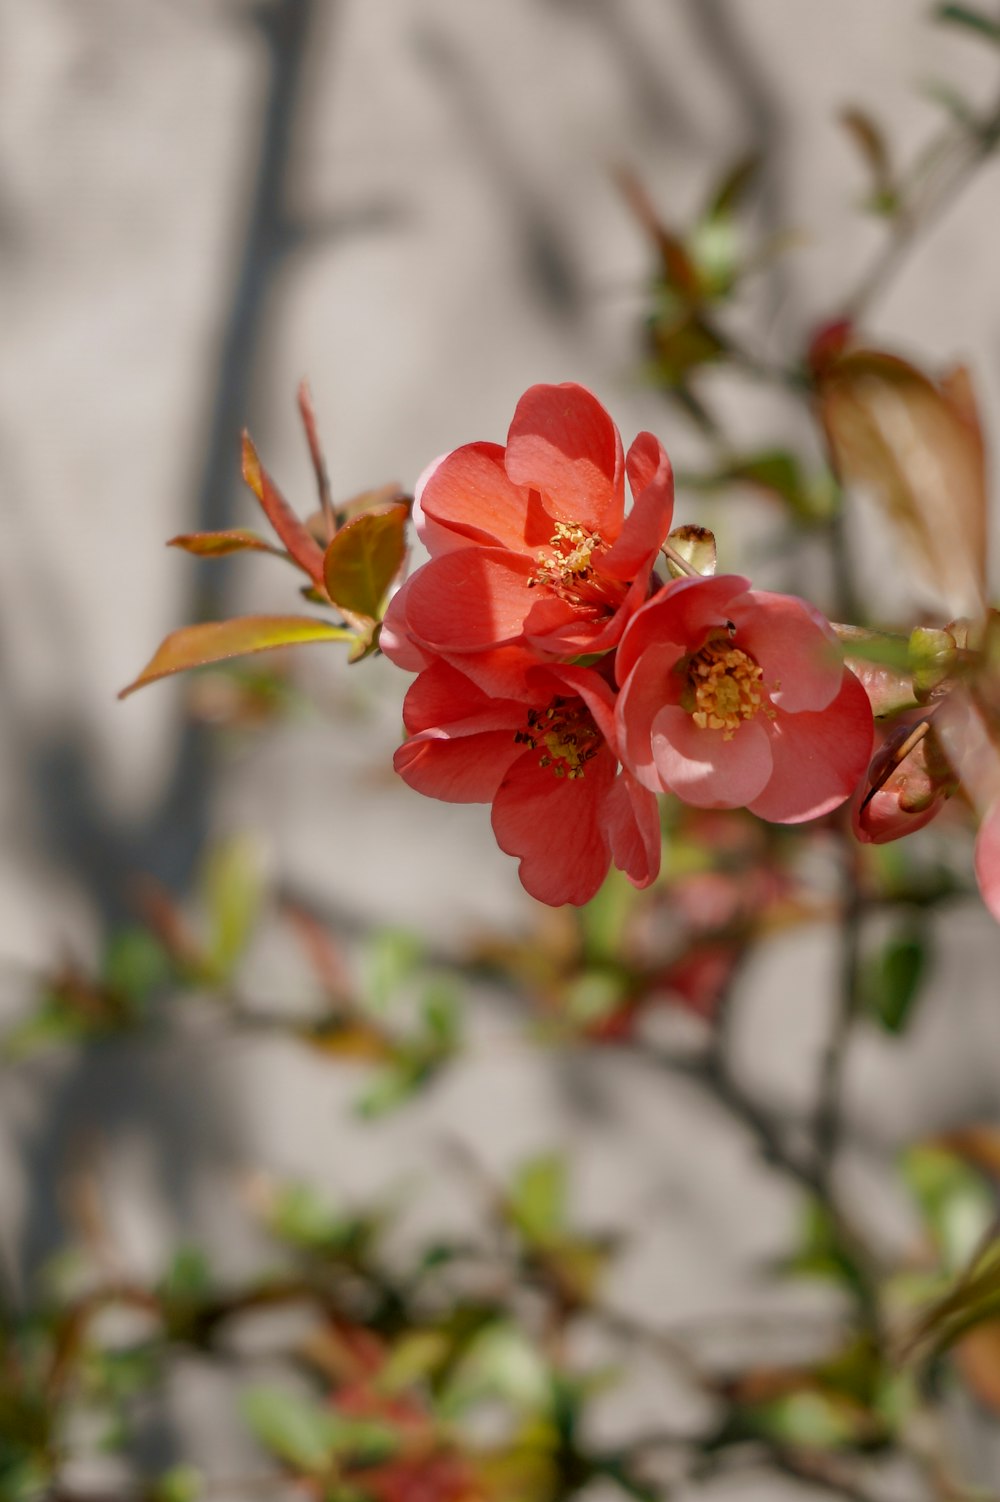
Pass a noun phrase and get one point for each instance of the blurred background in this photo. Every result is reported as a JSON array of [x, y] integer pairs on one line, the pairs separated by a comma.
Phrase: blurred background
[[417, 206]]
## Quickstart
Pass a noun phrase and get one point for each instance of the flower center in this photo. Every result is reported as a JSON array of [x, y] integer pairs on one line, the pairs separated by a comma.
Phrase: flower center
[[566, 567], [724, 687], [565, 734]]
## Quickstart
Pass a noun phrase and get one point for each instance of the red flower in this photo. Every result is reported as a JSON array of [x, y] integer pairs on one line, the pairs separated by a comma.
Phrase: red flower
[[734, 696], [530, 546], [546, 757]]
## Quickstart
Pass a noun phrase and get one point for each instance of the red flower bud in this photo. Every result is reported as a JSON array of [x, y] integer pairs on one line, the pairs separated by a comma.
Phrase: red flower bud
[[908, 783]]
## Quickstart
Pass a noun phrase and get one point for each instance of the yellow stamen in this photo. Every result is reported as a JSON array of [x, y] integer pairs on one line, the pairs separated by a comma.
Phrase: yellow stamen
[[569, 562], [726, 688]]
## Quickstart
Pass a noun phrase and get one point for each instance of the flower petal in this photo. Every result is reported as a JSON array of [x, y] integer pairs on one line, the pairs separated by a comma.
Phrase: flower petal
[[647, 524], [394, 638], [442, 696], [467, 496], [795, 647], [554, 825], [818, 757], [682, 612], [456, 769], [649, 687], [632, 823], [988, 861], [704, 769], [563, 443], [469, 600]]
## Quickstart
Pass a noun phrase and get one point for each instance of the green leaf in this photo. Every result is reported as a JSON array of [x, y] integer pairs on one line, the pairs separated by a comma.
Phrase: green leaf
[[891, 981], [972, 20], [364, 558], [539, 1198], [292, 1427], [214, 641], [234, 891]]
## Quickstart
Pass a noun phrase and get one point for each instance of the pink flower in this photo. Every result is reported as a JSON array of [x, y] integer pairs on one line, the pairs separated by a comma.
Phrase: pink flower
[[530, 546], [734, 696], [546, 758], [988, 860]]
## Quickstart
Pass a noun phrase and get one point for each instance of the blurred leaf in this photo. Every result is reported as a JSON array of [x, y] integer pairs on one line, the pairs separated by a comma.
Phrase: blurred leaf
[[302, 548], [696, 545], [221, 544], [891, 981], [977, 1356], [189, 1275], [813, 1420], [182, 1483], [955, 1202], [500, 1363], [393, 1086], [414, 1357], [868, 137], [441, 1016], [823, 1254], [917, 449], [978, 1145], [733, 186], [292, 1427], [779, 474], [972, 20], [392, 958], [680, 343], [213, 641], [539, 1198], [678, 269], [135, 963], [973, 1301], [298, 1214], [364, 558], [233, 887]]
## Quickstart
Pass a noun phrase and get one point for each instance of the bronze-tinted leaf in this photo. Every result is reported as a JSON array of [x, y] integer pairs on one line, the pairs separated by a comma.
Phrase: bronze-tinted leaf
[[219, 544], [304, 549], [917, 449], [213, 641], [364, 558], [868, 137]]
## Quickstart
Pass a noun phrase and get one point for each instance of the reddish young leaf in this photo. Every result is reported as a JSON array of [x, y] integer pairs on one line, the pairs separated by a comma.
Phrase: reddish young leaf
[[212, 641], [364, 558], [304, 549], [219, 544], [918, 449]]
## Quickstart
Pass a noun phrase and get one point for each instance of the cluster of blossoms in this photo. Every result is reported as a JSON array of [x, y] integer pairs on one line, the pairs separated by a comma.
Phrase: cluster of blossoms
[[562, 680]]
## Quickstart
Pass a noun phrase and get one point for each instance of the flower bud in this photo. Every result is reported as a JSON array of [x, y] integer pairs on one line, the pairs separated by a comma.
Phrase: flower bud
[[908, 783]]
